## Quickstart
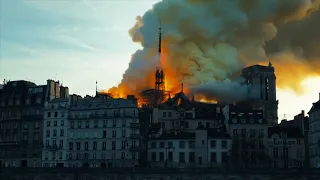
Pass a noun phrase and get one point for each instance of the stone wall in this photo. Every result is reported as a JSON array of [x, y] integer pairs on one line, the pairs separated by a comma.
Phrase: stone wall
[[154, 174]]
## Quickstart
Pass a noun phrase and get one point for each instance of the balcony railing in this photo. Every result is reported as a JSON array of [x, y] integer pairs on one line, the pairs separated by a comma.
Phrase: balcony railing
[[134, 125], [8, 142], [53, 148], [104, 116], [135, 136]]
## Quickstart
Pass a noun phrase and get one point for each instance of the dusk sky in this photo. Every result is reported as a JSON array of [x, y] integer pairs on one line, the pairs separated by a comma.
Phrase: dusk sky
[[80, 42]]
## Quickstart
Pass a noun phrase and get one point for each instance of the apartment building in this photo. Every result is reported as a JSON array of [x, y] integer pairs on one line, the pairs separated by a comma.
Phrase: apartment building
[[286, 147], [249, 131], [55, 126], [314, 135], [21, 118], [103, 132], [201, 148]]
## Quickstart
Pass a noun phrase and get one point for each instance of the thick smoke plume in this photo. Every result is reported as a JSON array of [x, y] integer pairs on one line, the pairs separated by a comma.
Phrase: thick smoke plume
[[206, 42]]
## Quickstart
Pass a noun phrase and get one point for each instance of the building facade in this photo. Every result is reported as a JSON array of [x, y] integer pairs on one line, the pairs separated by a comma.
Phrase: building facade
[[201, 148], [286, 147], [314, 135], [21, 118], [55, 127], [103, 132], [249, 132]]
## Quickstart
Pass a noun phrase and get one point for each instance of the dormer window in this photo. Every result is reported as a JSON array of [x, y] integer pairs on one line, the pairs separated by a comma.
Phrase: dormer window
[[164, 114], [234, 120], [252, 120], [243, 121]]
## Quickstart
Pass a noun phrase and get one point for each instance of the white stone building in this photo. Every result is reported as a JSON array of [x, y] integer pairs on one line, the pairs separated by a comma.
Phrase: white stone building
[[103, 132], [286, 147], [55, 133], [201, 148], [314, 135]]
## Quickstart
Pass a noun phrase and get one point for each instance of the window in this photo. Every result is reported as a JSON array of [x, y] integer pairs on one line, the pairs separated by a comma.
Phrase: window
[[114, 133], [105, 123], [47, 143], [49, 114], [86, 155], [169, 114], [61, 132], [161, 156], [161, 144], [62, 114], [48, 133], [95, 123], [114, 123], [72, 124], [123, 133], [78, 145], [186, 124], [191, 144], [170, 156], [213, 144], [191, 157], [94, 145], [54, 132], [70, 156], [55, 114], [285, 153], [153, 156], [123, 122], [275, 152], [123, 145], [79, 124], [36, 125], [123, 155], [207, 125], [48, 123], [87, 124], [70, 146], [181, 157], [104, 145], [104, 134], [224, 158], [224, 144], [153, 145], [113, 145], [164, 114], [61, 144], [182, 144], [213, 157], [62, 122], [86, 145], [55, 123], [298, 141]]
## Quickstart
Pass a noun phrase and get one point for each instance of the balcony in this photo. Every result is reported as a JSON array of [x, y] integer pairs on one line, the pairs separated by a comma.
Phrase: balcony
[[135, 125], [135, 136], [135, 148], [53, 148], [8, 142]]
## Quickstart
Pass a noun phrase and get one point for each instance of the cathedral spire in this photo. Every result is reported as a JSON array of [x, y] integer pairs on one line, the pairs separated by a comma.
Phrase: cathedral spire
[[160, 39]]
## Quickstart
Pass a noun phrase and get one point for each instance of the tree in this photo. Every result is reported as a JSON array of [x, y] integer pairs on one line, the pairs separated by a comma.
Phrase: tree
[[249, 151]]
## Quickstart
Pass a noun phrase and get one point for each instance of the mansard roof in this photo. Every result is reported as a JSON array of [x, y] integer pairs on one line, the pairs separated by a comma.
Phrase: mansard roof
[[243, 115], [291, 132]]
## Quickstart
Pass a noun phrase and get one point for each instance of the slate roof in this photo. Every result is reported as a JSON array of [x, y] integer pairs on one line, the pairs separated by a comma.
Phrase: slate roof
[[315, 106], [292, 132], [243, 115]]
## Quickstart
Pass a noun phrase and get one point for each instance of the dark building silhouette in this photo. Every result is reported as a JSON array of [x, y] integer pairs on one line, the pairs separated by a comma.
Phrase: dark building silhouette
[[21, 116]]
